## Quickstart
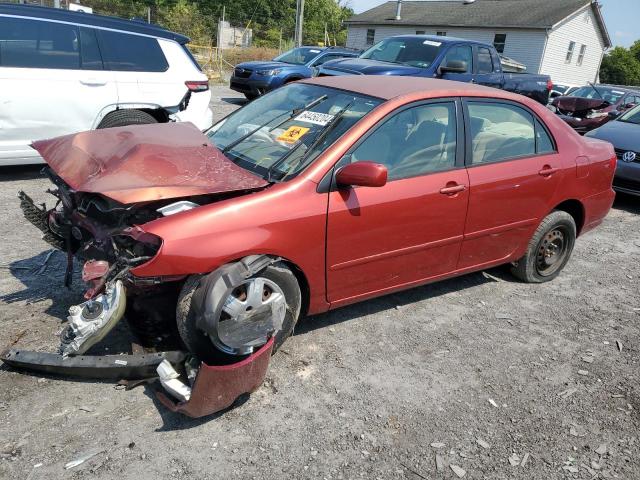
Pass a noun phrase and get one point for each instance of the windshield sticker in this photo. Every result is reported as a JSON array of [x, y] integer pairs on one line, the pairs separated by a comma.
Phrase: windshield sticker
[[314, 51], [432, 43], [314, 117], [292, 134], [617, 92]]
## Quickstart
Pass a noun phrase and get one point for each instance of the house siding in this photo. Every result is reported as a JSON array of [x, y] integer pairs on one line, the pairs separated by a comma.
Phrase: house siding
[[581, 28], [524, 46]]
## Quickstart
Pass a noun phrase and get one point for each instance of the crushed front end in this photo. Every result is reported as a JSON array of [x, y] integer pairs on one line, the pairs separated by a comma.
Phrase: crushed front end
[[106, 237]]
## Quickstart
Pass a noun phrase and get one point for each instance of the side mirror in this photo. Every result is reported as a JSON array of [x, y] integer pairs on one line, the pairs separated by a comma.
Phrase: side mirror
[[614, 113], [629, 105], [362, 174], [555, 94], [454, 66]]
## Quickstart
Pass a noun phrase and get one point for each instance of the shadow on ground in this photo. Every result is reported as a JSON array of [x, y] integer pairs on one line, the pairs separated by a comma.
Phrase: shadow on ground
[[20, 172]]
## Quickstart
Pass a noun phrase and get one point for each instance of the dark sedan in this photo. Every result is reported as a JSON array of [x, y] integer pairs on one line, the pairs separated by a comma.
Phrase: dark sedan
[[624, 134]]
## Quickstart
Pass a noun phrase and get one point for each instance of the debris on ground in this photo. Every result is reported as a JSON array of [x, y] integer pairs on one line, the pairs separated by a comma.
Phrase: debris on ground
[[584, 373], [439, 463], [514, 460], [493, 402], [619, 345], [459, 471], [438, 445], [482, 443], [525, 459], [602, 449], [83, 458], [567, 393]]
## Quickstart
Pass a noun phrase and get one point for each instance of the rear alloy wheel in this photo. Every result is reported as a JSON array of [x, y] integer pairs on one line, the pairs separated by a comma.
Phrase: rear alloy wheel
[[122, 118], [549, 249], [263, 305]]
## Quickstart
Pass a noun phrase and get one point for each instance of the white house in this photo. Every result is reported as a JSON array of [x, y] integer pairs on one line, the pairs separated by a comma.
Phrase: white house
[[565, 39]]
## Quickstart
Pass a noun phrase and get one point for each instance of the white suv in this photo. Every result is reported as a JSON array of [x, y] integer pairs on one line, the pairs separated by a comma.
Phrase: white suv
[[62, 72]]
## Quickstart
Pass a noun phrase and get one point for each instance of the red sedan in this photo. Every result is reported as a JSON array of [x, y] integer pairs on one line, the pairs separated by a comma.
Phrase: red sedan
[[323, 193]]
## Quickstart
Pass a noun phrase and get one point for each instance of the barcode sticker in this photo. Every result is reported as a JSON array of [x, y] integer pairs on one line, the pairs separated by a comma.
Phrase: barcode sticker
[[314, 117], [120, 362]]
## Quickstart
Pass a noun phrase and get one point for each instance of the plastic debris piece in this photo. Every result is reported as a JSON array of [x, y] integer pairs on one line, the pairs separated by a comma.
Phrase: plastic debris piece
[[459, 471], [482, 443], [169, 379], [438, 445], [83, 458]]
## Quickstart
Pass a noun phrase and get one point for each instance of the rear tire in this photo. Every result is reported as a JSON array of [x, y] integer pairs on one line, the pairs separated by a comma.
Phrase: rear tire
[[122, 118], [251, 96], [210, 349], [549, 249]]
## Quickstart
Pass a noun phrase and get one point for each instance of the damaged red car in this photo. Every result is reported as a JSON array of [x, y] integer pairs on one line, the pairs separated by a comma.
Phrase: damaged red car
[[591, 106], [320, 194]]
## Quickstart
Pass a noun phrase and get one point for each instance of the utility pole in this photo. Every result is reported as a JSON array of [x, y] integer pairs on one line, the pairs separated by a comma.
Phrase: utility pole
[[148, 14], [299, 22]]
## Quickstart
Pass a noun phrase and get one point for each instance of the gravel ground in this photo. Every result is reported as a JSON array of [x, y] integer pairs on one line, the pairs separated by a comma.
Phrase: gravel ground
[[479, 374]]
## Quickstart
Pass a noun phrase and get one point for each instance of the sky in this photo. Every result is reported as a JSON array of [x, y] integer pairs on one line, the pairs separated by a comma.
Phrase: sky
[[621, 16]]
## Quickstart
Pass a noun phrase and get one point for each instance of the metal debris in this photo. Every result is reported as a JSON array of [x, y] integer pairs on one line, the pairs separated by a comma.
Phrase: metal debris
[[493, 402]]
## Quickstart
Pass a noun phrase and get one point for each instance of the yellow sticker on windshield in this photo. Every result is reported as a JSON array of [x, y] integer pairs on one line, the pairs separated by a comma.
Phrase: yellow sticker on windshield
[[292, 134]]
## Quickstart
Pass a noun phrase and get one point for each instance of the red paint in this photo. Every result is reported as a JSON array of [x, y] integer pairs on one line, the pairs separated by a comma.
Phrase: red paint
[[140, 163], [356, 243]]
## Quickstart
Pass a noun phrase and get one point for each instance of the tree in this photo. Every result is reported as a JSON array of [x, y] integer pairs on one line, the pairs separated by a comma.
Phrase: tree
[[620, 67]]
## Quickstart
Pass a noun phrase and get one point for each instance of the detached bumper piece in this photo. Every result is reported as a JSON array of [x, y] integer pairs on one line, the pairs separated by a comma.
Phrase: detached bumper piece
[[106, 367], [216, 388]]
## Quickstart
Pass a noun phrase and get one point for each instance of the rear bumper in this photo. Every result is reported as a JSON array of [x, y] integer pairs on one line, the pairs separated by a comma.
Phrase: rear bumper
[[596, 208], [198, 111]]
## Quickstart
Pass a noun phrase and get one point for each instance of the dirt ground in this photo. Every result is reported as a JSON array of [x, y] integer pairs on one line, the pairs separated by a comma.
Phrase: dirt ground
[[501, 379]]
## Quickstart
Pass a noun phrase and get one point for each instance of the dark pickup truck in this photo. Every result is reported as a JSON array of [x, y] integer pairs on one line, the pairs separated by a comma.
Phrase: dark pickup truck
[[440, 57]]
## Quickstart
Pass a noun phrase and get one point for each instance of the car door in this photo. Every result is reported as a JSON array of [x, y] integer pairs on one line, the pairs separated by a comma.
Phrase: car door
[[410, 229], [514, 171], [486, 72], [460, 53], [141, 69], [52, 83]]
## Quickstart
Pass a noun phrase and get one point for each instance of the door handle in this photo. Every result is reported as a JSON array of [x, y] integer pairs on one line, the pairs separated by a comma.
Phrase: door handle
[[547, 171], [93, 82], [453, 189]]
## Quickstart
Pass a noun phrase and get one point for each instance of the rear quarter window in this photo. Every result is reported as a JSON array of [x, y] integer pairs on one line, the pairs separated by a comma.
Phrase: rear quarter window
[[131, 53]]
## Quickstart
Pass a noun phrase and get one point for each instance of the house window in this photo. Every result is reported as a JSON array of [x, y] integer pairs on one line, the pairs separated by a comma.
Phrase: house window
[[371, 35], [572, 47], [420, 32], [583, 50], [499, 41], [441, 34]]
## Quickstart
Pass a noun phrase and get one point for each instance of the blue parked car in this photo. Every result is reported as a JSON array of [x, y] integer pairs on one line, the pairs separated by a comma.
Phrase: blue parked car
[[448, 58], [255, 78]]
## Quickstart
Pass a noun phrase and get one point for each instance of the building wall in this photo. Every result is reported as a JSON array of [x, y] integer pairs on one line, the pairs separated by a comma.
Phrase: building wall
[[525, 46], [581, 28]]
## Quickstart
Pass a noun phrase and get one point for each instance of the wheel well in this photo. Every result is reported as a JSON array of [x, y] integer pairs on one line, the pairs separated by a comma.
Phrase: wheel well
[[576, 210], [291, 79], [158, 113]]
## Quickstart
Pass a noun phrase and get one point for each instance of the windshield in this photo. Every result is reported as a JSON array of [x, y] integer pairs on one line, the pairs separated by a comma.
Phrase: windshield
[[609, 94], [298, 56], [632, 116], [416, 52], [276, 137]]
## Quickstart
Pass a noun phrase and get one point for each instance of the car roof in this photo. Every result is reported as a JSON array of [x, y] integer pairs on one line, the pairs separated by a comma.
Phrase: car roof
[[441, 38], [91, 20], [381, 86]]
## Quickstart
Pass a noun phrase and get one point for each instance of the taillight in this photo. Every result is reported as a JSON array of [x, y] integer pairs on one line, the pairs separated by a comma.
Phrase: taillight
[[549, 85], [197, 85]]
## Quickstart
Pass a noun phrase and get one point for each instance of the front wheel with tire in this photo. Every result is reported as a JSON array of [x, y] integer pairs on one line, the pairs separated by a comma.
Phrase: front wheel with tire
[[240, 317], [549, 249], [122, 118]]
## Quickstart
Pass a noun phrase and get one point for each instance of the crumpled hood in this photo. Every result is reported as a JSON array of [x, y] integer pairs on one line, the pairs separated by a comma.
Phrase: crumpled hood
[[364, 66], [142, 163], [578, 104]]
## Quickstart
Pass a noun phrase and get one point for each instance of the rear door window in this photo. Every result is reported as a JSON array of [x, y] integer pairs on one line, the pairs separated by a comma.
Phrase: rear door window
[[30, 43], [485, 63], [500, 131], [131, 53]]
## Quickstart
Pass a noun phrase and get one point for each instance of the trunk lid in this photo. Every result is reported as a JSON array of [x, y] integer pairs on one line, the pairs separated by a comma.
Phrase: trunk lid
[[143, 163]]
